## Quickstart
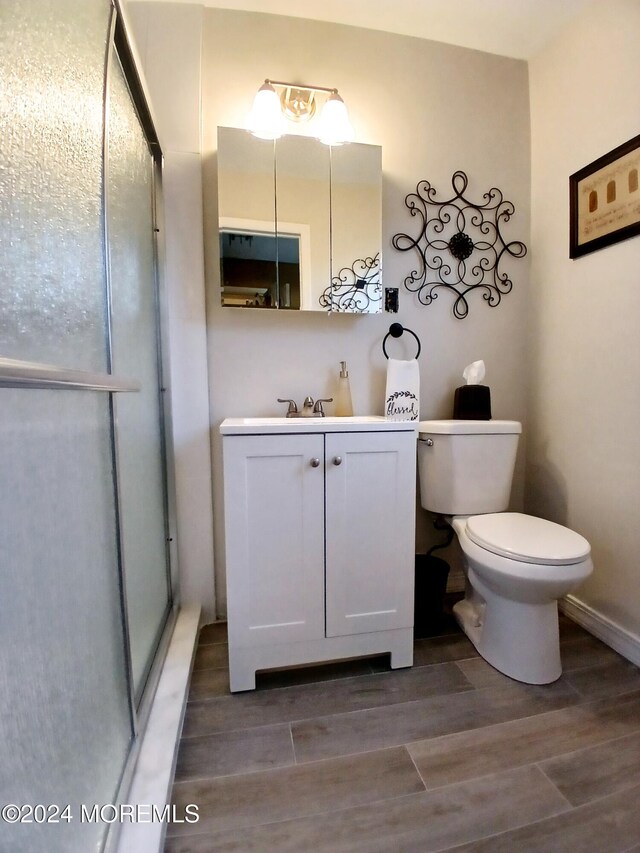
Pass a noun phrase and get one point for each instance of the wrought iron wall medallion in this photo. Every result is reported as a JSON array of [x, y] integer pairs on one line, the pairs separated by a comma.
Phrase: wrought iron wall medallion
[[460, 245], [356, 289]]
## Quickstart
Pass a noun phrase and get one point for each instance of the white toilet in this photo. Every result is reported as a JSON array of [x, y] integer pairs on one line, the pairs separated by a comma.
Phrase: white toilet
[[517, 566]]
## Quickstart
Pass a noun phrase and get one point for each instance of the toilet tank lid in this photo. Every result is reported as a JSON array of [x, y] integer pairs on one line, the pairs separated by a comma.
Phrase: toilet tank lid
[[527, 539], [458, 427]]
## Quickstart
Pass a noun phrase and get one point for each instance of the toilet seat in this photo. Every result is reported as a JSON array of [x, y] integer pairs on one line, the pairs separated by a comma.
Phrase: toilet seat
[[527, 539]]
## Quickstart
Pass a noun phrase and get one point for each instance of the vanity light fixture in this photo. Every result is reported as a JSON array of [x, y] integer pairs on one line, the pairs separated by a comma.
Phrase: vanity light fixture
[[298, 104]]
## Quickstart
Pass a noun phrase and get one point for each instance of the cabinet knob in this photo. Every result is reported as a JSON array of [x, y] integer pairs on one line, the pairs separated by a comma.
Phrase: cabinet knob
[[315, 463], [337, 460]]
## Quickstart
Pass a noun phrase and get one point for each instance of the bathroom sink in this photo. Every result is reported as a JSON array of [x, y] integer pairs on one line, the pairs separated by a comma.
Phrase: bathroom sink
[[247, 426]]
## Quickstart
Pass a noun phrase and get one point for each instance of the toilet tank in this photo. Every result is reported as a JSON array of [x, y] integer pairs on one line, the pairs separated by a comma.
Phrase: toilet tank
[[466, 467]]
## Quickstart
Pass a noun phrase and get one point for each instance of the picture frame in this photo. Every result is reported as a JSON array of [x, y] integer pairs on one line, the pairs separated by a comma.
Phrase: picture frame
[[604, 200]]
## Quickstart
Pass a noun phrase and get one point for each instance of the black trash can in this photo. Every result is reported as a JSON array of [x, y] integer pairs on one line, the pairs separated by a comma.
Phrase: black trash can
[[431, 584]]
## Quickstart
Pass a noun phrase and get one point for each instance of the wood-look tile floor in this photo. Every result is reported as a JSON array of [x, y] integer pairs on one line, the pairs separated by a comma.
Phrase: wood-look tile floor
[[448, 755]]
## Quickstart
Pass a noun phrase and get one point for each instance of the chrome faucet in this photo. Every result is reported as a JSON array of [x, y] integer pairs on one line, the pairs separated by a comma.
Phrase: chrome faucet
[[318, 410], [309, 408], [292, 410]]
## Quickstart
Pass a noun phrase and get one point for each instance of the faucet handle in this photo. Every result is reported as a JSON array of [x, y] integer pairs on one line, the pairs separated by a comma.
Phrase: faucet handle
[[292, 409], [318, 410]]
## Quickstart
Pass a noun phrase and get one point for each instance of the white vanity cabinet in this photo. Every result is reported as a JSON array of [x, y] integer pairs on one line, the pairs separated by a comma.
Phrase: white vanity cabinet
[[319, 530]]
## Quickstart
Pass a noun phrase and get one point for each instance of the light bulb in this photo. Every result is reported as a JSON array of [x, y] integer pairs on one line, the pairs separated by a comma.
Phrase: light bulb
[[335, 127], [265, 119]]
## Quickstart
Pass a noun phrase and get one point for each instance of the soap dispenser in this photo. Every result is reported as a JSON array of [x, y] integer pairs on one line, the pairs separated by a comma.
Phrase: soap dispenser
[[344, 406]]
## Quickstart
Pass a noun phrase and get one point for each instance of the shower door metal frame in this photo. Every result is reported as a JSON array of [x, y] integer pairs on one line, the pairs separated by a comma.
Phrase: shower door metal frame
[[120, 49]]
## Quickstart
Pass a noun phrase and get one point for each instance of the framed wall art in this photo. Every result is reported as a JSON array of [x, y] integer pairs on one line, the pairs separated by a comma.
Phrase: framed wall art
[[604, 200]]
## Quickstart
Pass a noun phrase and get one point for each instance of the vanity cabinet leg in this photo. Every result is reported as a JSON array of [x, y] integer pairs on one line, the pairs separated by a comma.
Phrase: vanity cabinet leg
[[402, 650], [242, 674]]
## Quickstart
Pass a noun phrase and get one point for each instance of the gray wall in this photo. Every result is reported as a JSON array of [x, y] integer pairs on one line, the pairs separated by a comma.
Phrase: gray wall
[[584, 445]]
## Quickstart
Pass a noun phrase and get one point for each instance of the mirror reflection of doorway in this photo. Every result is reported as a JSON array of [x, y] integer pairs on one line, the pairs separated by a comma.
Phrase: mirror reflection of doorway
[[260, 269]]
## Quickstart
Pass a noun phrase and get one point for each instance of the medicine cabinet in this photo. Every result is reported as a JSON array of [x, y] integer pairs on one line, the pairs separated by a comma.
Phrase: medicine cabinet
[[300, 223]]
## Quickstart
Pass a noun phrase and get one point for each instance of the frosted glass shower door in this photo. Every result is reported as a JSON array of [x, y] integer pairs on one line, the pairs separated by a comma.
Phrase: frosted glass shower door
[[65, 717], [135, 352], [66, 724]]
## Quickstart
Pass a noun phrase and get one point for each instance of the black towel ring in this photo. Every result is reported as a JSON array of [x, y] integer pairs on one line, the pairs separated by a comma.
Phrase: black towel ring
[[396, 330]]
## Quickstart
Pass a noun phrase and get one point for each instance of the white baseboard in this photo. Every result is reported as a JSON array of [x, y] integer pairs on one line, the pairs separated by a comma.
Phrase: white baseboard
[[619, 639]]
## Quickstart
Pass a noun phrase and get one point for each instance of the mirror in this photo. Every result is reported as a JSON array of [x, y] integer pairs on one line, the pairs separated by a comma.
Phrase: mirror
[[356, 228], [303, 170], [300, 223], [246, 191]]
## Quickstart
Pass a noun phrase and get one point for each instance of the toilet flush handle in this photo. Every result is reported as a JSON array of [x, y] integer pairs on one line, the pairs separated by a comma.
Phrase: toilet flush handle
[[427, 441]]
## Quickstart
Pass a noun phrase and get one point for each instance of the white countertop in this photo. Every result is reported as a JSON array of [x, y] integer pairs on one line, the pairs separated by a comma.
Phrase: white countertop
[[359, 423]]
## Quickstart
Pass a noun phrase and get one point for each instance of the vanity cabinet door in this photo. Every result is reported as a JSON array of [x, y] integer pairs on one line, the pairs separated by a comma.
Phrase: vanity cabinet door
[[274, 524], [370, 506]]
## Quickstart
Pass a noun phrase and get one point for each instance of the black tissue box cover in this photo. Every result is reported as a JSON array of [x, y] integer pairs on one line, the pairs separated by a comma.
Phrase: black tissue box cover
[[472, 403]]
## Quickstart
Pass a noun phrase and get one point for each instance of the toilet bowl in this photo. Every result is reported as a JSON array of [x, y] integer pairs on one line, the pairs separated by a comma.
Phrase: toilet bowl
[[516, 566]]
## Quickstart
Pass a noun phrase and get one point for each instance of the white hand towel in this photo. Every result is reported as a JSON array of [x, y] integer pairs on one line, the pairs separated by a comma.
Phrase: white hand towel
[[402, 398]]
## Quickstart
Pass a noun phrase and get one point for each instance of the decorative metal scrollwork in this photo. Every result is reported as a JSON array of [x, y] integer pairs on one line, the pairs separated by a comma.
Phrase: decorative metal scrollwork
[[460, 245], [356, 289]]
